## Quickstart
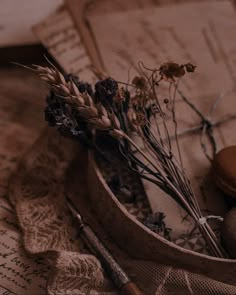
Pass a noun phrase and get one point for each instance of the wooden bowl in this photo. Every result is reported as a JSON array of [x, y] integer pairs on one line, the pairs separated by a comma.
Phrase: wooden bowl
[[140, 242]]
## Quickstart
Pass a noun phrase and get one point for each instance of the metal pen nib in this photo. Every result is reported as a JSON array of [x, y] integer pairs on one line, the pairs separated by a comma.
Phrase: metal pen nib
[[116, 273], [74, 211]]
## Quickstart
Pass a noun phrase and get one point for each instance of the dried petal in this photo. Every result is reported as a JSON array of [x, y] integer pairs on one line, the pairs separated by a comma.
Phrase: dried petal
[[87, 99], [115, 121], [73, 88], [117, 133]]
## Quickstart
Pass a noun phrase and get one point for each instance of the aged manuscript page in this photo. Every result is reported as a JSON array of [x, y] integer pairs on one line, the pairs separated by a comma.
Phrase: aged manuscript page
[[61, 38], [19, 273], [202, 33]]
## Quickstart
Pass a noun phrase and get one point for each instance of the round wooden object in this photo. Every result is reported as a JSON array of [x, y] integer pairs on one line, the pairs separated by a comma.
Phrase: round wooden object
[[228, 232], [224, 170], [139, 242]]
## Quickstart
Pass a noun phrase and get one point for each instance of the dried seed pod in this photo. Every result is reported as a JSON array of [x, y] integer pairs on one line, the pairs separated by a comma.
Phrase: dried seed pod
[[106, 121], [51, 71], [100, 123], [106, 90], [171, 70], [40, 69], [87, 112], [78, 99], [114, 120], [190, 67], [74, 90], [47, 77], [63, 88], [87, 99], [60, 78], [117, 133], [101, 110]]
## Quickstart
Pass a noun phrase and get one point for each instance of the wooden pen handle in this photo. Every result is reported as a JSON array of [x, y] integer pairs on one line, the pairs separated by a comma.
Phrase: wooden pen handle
[[130, 289]]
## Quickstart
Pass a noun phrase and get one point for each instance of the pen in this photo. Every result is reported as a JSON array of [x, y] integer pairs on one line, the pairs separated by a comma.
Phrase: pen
[[112, 268]]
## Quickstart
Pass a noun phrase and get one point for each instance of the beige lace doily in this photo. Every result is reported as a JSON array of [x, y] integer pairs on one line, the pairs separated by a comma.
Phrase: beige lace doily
[[37, 191]]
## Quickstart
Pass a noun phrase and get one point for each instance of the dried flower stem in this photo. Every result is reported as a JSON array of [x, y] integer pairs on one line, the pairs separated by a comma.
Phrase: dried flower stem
[[205, 228]]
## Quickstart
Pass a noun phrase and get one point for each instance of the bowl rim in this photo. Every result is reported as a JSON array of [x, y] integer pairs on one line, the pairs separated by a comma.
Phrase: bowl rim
[[92, 162]]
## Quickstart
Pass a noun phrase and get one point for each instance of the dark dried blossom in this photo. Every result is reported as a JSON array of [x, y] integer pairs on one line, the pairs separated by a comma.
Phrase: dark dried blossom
[[140, 82], [155, 222], [105, 90], [57, 114], [55, 110], [120, 96], [171, 70], [67, 126], [81, 85], [190, 67]]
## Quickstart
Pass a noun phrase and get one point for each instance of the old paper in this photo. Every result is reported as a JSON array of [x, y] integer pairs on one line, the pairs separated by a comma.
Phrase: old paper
[[82, 9], [200, 33], [21, 123], [125, 39], [59, 35]]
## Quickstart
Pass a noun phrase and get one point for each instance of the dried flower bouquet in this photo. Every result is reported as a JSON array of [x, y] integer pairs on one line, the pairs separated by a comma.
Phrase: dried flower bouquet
[[122, 111]]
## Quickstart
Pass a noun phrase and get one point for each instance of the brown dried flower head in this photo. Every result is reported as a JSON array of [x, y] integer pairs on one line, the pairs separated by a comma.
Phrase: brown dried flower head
[[137, 119], [120, 95], [141, 98], [190, 67], [170, 70], [140, 82], [141, 119]]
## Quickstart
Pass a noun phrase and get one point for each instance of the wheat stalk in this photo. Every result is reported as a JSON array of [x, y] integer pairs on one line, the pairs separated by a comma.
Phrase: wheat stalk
[[95, 115]]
